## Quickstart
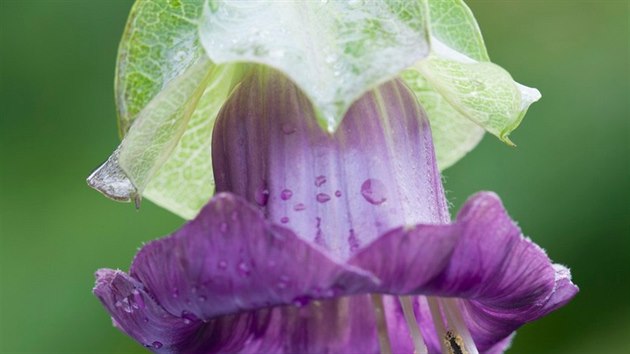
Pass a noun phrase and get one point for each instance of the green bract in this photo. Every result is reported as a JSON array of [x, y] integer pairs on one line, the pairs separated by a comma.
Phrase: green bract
[[180, 59]]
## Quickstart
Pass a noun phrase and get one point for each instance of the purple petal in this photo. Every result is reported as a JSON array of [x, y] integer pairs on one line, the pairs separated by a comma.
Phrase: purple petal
[[506, 279], [135, 313], [230, 259], [341, 190]]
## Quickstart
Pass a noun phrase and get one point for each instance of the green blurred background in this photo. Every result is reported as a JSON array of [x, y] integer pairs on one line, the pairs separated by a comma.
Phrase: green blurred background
[[567, 183]]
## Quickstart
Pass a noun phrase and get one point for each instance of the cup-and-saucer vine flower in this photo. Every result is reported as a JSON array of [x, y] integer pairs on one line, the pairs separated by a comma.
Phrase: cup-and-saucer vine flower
[[319, 242]]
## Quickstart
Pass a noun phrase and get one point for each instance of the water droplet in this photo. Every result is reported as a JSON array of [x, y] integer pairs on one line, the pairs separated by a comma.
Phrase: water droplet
[[320, 180], [146, 320], [124, 305], [138, 300], [284, 220], [373, 191], [222, 265], [244, 269], [193, 289], [223, 227], [189, 317], [175, 293], [299, 207], [202, 298], [337, 194], [262, 195], [284, 282], [156, 345], [288, 128], [286, 194], [322, 197], [301, 301], [234, 216], [353, 241]]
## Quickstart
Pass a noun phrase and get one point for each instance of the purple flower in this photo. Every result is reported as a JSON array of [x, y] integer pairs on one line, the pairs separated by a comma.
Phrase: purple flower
[[332, 243]]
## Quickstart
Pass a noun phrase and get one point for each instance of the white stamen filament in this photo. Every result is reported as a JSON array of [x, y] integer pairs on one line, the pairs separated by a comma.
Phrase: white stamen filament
[[457, 324], [436, 314], [457, 338], [381, 324], [410, 317]]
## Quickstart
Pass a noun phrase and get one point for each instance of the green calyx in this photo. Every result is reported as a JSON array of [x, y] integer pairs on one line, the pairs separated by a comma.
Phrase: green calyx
[[180, 60]]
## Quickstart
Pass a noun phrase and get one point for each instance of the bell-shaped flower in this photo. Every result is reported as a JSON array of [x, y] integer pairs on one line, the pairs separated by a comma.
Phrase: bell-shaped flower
[[320, 242]]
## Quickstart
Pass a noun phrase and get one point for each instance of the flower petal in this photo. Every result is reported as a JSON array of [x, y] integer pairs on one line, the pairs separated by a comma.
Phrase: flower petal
[[135, 313], [502, 279], [506, 279], [230, 259], [341, 191]]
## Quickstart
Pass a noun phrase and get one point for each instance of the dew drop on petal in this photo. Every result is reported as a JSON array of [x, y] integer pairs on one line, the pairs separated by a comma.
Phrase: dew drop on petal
[[138, 300], [301, 301], [262, 195], [373, 191], [222, 265], [175, 293], [286, 194], [320, 180], [156, 345], [322, 197], [244, 269], [299, 207], [288, 128], [223, 227], [284, 220], [202, 298], [337, 193]]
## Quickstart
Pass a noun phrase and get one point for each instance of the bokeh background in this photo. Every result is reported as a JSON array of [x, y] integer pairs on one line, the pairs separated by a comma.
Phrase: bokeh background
[[567, 183]]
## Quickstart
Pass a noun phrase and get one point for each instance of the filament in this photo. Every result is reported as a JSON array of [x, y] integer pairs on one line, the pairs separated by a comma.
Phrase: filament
[[414, 329], [381, 324]]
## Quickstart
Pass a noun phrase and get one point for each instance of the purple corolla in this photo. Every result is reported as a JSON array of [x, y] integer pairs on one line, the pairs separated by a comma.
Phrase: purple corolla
[[340, 242]]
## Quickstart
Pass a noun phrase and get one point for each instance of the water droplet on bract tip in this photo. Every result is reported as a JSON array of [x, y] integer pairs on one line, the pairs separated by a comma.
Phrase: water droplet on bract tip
[[286, 194], [202, 298], [299, 207], [322, 197], [156, 345], [223, 227], [284, 220], [222, 265], [337, 194], [320, 180], [373, 191], [262, 195]]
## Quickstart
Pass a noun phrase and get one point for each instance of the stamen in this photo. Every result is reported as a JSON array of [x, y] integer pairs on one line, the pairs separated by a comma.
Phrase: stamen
[[436, 314], [410, 317], [457, 324], [381, 324]]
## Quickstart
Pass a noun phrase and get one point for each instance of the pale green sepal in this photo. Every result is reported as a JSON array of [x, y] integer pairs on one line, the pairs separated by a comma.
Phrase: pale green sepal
[[454, 135], [452, 23], [482, 92], [159, 43], [159, 126], [462, 92], [185, 182], [333, 50]]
